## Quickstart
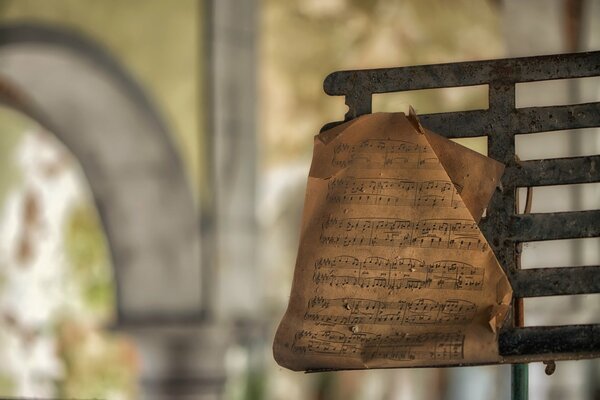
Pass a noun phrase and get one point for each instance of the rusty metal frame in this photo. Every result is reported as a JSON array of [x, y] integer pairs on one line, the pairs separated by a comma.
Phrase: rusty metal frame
[[503, 227]]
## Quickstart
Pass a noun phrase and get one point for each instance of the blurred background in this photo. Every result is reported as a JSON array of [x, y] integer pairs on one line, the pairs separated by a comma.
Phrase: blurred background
[[153, 161]]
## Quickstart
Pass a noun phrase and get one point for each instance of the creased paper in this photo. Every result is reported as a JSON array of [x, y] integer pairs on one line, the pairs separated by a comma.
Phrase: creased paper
[[392, 269]]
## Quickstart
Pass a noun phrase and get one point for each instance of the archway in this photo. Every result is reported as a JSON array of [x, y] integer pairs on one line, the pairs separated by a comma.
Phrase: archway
[[76, 90], [90, 103]]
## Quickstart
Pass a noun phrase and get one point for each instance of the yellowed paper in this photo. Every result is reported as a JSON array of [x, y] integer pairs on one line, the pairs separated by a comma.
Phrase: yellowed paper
[[392, 269]]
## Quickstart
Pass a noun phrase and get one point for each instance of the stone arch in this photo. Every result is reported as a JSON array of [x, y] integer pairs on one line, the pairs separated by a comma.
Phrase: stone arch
[[80, 93]]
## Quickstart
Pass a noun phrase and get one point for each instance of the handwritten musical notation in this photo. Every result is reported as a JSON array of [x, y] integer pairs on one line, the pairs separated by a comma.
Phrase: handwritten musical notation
[[393, 192], [401, 273], [384, 154], [462, 234], [368, 346], [353, 311]]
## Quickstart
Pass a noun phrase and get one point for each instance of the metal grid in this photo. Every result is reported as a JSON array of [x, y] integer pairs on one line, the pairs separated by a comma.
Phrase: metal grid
[[503, 227]]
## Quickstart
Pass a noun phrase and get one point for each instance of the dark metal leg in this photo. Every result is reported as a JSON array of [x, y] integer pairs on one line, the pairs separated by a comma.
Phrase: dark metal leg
[[520, 372], [520, 381]]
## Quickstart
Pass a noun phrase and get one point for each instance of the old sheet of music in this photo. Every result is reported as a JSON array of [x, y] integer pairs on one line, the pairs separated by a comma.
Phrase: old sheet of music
[[392, 269]]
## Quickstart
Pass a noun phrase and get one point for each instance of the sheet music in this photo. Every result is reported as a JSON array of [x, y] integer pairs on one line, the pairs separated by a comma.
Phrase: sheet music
[[392, 269]]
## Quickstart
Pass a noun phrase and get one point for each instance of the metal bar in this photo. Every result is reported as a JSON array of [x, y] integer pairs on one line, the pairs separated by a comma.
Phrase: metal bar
[[556, 281], [556, 118], [501, 147], [472, 123], [525, 69], [557, 171], [358, 104], [519, 372], [520, 381], [534, 227], [550, 339], [523, 120]]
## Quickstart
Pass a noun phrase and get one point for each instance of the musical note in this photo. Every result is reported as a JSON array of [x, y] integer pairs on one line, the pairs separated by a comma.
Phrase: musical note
[[384, 154], [397, 346], [400, 273], [393, 192], [352, 311], [430, 233]]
